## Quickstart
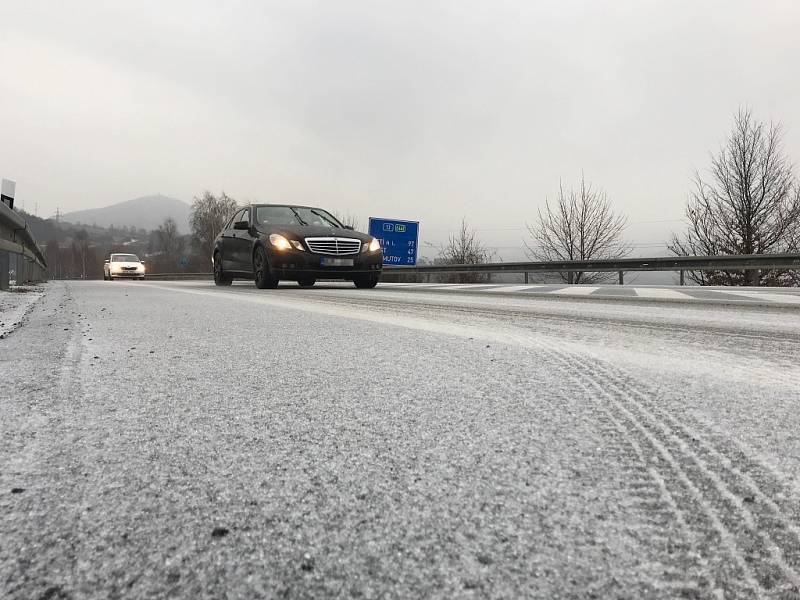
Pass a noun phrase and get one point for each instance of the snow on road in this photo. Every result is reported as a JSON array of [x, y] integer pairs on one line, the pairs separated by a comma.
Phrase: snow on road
[[15, 305], [177, 439], [683, 294]]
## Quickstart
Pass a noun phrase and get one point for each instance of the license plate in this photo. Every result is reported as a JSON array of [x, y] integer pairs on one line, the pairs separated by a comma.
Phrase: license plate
[[336, 262]]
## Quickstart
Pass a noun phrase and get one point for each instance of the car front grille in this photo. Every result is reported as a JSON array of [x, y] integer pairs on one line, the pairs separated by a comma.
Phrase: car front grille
[[334, 246], [128, 268]]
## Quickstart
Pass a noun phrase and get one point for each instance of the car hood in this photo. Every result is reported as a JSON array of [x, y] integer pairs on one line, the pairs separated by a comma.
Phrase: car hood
[[304, 231], [125, 264]]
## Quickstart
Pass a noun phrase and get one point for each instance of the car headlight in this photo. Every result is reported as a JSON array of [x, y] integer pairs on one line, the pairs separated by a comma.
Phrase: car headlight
[[280, 242], [373, 246], [297, 245]]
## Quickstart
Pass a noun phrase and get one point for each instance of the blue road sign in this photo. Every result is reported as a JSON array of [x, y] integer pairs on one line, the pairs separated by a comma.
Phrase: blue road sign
[[399, 240]]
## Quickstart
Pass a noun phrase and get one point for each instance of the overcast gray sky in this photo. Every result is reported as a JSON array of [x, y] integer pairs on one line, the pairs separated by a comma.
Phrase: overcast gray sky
[[423, 110]]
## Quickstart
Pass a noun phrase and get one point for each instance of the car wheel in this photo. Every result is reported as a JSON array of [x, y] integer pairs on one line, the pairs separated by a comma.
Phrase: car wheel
[[219, 276], [366, 281], [306, 282], [261, 272]]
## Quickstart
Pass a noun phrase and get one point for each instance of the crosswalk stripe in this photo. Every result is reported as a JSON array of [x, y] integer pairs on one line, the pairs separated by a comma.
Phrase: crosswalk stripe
[[787, 298], [507, 289], [648, 292], [576, 290]]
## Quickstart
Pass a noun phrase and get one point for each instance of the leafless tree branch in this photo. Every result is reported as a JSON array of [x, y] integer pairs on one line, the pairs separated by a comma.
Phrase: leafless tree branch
[[579, 225], [749, 205], [464, 248], [209, 214]]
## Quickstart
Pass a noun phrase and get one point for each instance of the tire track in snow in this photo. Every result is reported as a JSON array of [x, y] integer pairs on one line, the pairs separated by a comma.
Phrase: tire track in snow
[[69, 382], [648, 493], [748, 488], [763, 543]]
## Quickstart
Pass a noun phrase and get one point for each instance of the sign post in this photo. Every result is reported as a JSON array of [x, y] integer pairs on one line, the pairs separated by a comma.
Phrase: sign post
[[7, 190], [399, 240]]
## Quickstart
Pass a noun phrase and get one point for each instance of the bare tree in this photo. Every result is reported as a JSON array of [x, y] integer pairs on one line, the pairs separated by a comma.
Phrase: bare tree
[[750, 205], [209, 214], [579, 226], [464, 248], [169, 241], [348, 220]]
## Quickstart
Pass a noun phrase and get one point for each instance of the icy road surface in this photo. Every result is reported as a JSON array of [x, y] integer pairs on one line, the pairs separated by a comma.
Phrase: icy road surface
[[181, 440]]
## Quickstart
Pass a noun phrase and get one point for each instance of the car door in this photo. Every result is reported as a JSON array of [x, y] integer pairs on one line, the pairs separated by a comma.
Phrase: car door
[[242, 242], [228, 244]]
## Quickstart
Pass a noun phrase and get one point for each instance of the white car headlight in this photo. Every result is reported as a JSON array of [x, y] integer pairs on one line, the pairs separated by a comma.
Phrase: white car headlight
[[373, 246], [280, 242]]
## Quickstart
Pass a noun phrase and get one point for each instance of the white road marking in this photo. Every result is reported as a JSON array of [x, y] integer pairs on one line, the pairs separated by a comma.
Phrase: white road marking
[[787, 298], [511, 288], [466, 286], [666, 293], [412, 284], [582, 290]]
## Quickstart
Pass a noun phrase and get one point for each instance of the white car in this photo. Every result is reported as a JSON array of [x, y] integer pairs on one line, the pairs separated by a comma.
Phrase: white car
[[123, 266]]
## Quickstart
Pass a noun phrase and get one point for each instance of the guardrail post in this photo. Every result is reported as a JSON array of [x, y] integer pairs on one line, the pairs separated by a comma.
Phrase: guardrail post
[[526, 277], [683, 280], [751, 276], [4, 266], [621, 278]]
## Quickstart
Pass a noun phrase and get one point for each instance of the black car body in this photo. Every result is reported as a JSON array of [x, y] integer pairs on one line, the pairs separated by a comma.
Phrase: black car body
[[271, 242]]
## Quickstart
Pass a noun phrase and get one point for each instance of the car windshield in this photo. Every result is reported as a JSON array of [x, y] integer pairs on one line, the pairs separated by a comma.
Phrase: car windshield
[[124, 258], [295, 215]]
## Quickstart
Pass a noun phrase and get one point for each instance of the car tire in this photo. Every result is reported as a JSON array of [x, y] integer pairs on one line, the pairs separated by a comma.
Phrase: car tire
[[306, 282], [262, 274], [219, 275], [367, 281]]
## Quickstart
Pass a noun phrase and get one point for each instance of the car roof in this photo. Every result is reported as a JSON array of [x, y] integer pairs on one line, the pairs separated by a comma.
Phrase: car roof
[[287, 204]]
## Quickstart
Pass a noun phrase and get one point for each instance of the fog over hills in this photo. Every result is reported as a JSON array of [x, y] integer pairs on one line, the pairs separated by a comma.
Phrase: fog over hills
[[147, 212]]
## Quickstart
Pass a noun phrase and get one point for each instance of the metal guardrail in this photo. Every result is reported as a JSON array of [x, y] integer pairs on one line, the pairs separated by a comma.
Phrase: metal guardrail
[[16, 238], [680, 264]]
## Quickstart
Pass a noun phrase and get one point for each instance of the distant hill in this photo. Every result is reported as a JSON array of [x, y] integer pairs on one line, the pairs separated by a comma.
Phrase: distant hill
[[147, 212]]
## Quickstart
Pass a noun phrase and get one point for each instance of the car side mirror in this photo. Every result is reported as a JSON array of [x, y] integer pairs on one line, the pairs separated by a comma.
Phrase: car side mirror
[[241, 225], [106, 261], [350, 227]]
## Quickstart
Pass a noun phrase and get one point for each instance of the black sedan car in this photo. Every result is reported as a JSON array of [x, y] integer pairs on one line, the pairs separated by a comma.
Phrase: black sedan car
[[270, 242]]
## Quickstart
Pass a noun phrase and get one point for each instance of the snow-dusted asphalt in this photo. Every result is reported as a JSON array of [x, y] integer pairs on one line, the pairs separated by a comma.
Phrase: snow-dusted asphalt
[[166, 439], [789, 297]]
